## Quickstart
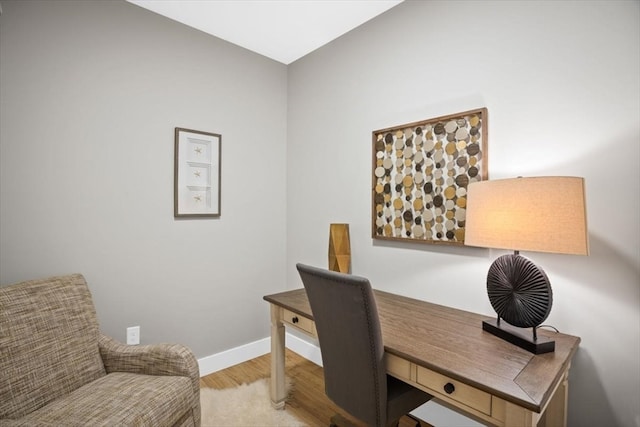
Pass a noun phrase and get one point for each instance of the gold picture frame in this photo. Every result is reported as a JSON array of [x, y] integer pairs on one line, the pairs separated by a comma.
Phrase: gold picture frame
[[420, 174], [196, 189]]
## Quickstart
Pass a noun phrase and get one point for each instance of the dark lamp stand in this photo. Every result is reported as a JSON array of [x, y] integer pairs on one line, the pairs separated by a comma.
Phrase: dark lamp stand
[[517, 336], [520, 293]]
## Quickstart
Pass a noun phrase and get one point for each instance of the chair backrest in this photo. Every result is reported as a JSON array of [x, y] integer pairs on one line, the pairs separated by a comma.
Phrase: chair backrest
[[48, 342], [346, 317]]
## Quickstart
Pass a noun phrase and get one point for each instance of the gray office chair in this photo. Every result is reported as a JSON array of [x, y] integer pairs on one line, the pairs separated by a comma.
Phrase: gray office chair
[[346, 317]]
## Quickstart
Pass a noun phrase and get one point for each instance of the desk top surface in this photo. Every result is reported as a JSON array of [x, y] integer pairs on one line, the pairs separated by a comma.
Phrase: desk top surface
[[452, 342]]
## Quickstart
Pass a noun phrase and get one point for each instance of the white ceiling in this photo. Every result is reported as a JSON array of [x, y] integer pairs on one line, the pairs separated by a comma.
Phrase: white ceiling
[[284, 30]]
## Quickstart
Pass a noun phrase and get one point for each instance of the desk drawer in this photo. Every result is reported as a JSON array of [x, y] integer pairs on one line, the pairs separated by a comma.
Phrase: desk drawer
[[398, 367], [299, 322], [447, 388]]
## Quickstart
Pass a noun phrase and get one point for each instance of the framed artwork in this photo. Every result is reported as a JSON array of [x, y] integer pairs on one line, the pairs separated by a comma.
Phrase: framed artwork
[[421, 172], [196, 173]]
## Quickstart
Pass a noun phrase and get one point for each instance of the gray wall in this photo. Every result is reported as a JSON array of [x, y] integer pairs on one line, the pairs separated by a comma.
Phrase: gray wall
[[561, 83], [90, 94]]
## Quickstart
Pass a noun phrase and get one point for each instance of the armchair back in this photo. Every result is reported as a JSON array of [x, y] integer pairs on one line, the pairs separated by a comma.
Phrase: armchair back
[[48, 342]]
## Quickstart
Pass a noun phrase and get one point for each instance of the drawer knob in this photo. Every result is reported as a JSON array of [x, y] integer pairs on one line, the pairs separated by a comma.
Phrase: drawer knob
[[449, 388], [295, 319]]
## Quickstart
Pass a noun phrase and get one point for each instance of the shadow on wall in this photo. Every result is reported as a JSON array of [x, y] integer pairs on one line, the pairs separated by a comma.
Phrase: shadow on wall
[[611, 172], [605, 270], [604, 387], [438, 248], [604, 374], [587, 392]]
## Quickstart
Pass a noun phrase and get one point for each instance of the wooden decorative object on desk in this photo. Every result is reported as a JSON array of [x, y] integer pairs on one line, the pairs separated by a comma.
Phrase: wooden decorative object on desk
[[339, 248]]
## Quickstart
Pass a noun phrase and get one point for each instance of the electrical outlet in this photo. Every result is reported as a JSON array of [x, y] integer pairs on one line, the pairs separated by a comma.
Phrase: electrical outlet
[[133, 335]]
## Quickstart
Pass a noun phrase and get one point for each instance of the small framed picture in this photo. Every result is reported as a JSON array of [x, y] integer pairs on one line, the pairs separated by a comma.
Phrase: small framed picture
[[197, 173]]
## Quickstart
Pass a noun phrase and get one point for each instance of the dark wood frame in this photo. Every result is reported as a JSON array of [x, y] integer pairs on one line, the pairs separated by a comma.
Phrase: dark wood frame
[[427, 192], [214, 160]]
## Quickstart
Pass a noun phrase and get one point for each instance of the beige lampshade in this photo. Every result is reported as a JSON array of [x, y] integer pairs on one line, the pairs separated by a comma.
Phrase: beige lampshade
[[543, 214]]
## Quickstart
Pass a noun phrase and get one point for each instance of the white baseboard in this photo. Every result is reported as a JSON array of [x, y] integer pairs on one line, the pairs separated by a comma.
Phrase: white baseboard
[[217, 362], [302, 346]]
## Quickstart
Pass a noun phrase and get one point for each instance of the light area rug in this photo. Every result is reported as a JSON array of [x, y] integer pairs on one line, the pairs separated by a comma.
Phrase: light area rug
[[248, 405]]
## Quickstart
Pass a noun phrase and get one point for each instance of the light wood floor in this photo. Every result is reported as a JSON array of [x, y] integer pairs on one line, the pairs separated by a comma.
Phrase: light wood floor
[[307, 400]]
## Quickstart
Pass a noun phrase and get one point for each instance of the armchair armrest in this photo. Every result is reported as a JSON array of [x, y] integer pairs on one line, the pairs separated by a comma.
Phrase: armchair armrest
[[153, 359]]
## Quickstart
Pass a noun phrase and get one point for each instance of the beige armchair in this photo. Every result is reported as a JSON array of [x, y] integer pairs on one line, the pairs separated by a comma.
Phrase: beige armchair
[[57, 369]]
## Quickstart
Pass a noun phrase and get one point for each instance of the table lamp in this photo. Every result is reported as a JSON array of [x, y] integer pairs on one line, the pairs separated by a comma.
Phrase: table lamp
[[543, 214]]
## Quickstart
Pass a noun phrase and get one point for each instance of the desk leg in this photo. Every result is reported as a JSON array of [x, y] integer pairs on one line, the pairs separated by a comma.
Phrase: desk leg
[[554, 415], [556, 412], [516, 416], [277, 358]]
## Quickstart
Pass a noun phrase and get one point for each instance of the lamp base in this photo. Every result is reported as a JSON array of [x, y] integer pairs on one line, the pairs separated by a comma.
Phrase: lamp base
[[517, 337]]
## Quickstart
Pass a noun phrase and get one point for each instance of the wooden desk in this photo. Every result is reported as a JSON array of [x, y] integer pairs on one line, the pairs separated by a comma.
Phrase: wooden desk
[[430, 346]]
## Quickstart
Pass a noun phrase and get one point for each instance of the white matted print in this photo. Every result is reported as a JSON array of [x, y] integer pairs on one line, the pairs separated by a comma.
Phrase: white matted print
[[197, 173]]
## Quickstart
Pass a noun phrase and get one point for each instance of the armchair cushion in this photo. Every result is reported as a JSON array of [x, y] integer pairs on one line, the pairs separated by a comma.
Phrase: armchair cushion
[[159, 401]]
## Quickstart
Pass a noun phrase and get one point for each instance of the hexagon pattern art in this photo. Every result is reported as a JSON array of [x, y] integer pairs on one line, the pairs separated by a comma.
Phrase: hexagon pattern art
[[421, 172]]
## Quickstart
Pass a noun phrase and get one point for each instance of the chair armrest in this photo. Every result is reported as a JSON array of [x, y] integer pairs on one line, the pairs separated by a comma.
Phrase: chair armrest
[[153, 359]]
